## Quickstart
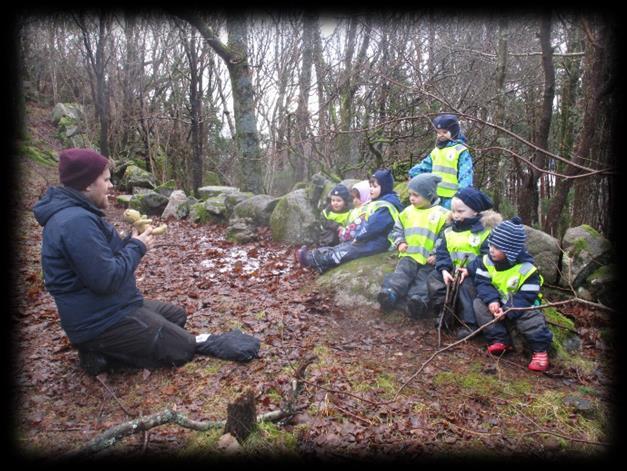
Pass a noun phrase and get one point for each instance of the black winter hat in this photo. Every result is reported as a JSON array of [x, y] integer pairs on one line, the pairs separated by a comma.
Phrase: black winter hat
[[474, 199], [448, 122], [341, 191]]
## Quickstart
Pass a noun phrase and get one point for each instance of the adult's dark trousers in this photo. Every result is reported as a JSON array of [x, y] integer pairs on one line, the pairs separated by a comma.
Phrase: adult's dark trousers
[[466, 294], [150, 337]]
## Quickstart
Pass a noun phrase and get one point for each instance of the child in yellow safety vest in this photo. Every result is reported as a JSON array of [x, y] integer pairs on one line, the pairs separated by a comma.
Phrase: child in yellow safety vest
[[335, 215], [415, 236], [466, 238], [361, 195], [449, 159], [507, 278]]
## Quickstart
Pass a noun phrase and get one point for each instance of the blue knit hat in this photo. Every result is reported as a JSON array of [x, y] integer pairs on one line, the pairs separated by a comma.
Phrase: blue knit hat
[[385, 180], [474, 199], [341, 191], [448, 122], [509, 236], [426, 185]]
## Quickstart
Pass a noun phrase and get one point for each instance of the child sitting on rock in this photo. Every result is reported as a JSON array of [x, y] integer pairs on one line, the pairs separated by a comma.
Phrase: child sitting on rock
[[507, 278], [465, 237], [379, 216], [415, 235], [335, 215], [361, 195]]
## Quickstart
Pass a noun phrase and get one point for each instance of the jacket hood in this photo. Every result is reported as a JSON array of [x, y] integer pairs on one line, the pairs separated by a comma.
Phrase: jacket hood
[[392, 198], [487, 219], [58, 198], [386, 181]]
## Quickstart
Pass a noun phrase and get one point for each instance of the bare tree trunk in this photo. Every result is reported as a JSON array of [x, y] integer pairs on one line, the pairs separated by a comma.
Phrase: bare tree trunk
[[498, 184], [553, 217], [97, 70], [302, 112], [195, 99], [592, 81], [235, 56], [529, 198]]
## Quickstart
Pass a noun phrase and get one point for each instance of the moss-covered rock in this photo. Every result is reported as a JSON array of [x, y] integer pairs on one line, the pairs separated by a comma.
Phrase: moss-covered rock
[[294, 220], [356, 283], [149, 203], [198, 213], [124, 200], [205, 192], [136, 177], [258, 208], [41, 156], [585, 250]]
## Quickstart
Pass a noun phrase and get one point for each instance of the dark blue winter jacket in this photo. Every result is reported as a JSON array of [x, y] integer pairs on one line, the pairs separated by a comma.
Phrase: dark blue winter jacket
[[88, 268], [443, 259], [381, 222], [488, 293]]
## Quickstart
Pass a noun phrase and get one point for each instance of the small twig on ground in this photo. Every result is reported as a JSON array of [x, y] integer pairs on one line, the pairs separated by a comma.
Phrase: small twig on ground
[[126, 411]]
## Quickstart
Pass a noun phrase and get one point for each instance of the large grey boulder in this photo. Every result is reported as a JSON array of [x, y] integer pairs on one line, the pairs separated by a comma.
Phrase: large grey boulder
[[258, 208], [136, 177], [294, 220], [233, 199], [241, 230], [585, 251], [356, 283], [546, 252], [71, 111], [178, 206], [149, 202], [210, 191]]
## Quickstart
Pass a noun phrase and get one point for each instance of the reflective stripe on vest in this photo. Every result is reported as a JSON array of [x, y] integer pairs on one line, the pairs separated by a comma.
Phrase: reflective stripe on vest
[[464, 244], [445, 164], [372, 206], [421, 227], [511, 280], [340, 218]]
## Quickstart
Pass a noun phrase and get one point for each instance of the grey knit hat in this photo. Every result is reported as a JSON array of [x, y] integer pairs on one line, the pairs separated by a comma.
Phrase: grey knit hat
[[509, 236], [426, 185]]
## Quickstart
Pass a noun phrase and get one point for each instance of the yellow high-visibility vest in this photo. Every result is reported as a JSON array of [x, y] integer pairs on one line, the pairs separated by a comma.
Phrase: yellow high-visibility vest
[[512, 280], [421, 228], [444, 162], [340, 218], [464, 244]]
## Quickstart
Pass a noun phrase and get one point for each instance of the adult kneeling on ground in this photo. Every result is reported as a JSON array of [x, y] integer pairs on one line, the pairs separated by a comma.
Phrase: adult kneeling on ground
[[90, 271]]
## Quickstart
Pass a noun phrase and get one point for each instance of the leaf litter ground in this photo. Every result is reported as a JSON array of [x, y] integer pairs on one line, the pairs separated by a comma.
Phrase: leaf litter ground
[[462, 403]]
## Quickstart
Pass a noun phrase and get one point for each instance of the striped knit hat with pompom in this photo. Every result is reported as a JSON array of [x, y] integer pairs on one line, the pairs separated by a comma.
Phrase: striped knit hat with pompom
[[509, 236]]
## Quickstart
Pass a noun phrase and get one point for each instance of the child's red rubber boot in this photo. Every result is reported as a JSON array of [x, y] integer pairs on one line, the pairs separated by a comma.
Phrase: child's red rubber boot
[[539, 361], [498, 347]]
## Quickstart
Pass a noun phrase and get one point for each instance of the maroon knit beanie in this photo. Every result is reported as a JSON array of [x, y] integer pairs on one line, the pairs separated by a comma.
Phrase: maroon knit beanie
[[78, 168]]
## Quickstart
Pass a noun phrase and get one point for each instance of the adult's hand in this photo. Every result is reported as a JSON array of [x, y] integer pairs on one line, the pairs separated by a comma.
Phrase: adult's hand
[[146, 237]]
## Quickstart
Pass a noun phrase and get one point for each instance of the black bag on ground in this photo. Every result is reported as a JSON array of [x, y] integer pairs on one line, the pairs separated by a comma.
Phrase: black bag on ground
[[233, 345]]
